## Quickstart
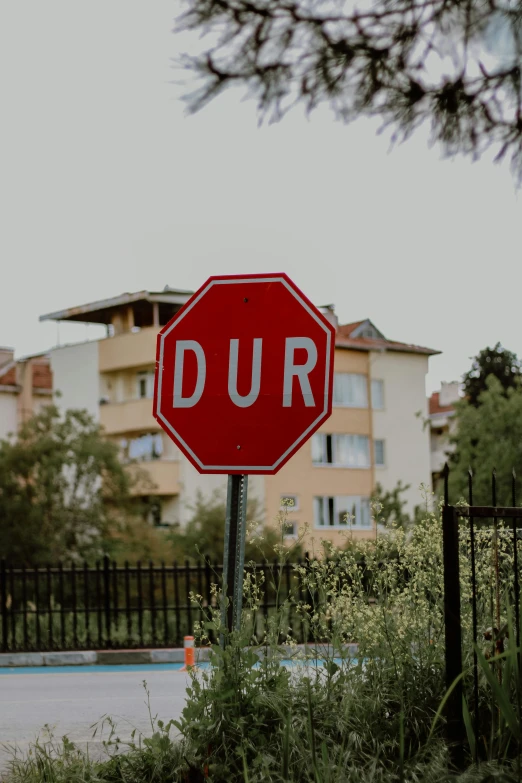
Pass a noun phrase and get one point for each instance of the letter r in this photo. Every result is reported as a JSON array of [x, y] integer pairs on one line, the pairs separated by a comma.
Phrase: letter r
[[302, 371]]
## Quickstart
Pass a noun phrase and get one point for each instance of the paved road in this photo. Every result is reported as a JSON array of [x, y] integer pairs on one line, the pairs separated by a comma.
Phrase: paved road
[[70, 702]]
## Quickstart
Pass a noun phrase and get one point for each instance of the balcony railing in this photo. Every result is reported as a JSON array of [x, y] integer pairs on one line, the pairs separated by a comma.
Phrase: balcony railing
[[131, 416], [163, 473], [124, 351]]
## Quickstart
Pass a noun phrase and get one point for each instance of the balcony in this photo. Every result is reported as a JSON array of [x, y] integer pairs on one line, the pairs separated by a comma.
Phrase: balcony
[[125, 417], [164, 474], [124, 351]]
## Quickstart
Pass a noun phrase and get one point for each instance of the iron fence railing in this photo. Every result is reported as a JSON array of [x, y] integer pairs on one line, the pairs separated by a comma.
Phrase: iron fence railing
[[111, 606], [492, 533]]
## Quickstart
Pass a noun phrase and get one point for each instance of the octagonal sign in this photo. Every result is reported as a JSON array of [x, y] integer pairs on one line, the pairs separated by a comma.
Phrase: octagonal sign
[[244, 374]]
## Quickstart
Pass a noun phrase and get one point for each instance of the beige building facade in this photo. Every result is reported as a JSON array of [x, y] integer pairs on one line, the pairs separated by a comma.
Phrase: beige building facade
[[375, 433]]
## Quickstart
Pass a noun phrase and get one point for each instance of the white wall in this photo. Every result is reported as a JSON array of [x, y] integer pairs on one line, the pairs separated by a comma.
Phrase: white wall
[[192, 482], [75, 375], [8, 414], [170, 510], [440, 444], [407, 440]]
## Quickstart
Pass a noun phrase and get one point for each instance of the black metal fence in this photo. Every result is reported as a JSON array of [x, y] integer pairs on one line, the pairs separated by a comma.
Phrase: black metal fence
[[482, 556], [78, 607]]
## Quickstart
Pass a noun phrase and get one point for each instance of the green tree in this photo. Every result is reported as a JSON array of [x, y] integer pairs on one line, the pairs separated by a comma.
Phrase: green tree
[[487, 438], [204, 533], [63, 489], [388, 506], [496, 361], [453, 64]]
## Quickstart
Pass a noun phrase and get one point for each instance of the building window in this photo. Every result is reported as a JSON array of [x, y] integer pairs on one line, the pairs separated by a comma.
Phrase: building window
[[345, 511], [378, 450], [370, 332], [322, 453], [350, 390], [144, 448], [145, 385], [349, 451], [290, 502], [378, 395]]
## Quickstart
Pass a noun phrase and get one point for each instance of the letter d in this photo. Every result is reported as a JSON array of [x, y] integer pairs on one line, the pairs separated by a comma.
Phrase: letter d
[[181, 347]]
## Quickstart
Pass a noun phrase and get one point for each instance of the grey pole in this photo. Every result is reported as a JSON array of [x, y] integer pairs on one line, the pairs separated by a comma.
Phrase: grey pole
[[234, 555]]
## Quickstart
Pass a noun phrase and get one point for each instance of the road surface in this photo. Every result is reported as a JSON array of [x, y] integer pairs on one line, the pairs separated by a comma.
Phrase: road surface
[[70, 699]]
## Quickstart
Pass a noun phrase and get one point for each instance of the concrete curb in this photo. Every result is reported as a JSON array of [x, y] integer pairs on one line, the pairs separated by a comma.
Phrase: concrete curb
[[98, 657], [69, 658], [136, 657]]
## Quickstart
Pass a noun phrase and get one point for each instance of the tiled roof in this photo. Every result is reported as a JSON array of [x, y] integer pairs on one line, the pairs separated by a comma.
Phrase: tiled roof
[[436, 407], [8, 375], [347, 329], [344, 339], [373, 344], [42, 376]]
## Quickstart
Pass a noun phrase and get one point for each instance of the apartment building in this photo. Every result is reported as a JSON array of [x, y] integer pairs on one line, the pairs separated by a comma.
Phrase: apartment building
[[375, 433], [442, 425], [25, 386]]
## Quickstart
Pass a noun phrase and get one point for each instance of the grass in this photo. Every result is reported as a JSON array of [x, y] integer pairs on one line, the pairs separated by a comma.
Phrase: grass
[[326, 728]]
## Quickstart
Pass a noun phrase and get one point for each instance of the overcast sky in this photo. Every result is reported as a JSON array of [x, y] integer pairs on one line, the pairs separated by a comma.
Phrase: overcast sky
[[107, 186]]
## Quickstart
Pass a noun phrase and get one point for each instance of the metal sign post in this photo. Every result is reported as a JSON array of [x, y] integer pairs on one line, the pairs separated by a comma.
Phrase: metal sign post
[[250, 373], [234, 556]]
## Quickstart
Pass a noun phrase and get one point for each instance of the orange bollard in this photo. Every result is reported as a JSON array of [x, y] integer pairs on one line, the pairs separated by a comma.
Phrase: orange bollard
[[190, 658]]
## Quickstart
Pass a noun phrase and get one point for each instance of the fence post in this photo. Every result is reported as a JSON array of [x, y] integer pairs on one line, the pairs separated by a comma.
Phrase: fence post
[[453, 633], [107, 598], [3, 604]]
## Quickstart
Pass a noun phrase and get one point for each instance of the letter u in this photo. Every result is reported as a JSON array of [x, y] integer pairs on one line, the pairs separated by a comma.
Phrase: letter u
[[244, 401]]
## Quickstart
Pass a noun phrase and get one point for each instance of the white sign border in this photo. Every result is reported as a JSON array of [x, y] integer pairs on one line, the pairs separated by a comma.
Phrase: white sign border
[[243, 468]]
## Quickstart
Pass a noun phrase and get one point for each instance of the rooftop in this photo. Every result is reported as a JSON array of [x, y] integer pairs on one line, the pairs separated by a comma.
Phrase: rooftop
[[148, 308], [8, 374], [104, 310], [435, 407], [42, 378], [364, 336]]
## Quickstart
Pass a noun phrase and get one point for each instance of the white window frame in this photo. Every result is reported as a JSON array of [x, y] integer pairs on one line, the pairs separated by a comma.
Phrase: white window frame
[[343, 404], [383, 463], [381, 393], [341, 505], [320, 443]]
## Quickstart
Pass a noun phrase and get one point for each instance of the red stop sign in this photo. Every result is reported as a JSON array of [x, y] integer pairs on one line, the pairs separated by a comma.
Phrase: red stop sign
[[244, 374]]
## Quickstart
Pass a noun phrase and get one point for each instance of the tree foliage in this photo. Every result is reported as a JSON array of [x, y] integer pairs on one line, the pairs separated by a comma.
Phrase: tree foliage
[[388, 505], [63, 489], [204, 533], [496, 361], [487, 438], [455, 64]]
